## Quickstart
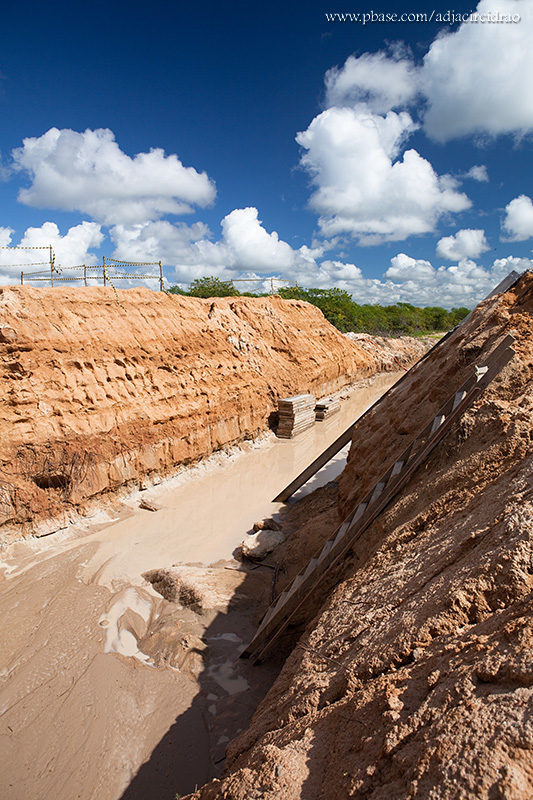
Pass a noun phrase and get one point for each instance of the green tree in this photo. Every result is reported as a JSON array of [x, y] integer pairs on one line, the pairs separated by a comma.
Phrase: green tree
[[436, 319], [212, 287], [457, 314], [339, 308]]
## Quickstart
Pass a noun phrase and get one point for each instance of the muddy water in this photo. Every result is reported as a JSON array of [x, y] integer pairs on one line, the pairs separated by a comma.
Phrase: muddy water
[[83, 705]]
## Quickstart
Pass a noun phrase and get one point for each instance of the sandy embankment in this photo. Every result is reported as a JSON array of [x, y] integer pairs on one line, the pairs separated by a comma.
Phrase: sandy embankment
[[92, 654], [99, 673], [97, 396], [415, 677]]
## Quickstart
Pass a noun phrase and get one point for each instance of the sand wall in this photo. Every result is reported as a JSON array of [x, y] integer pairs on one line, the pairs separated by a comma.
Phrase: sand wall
[[100, 389], [415, 679]]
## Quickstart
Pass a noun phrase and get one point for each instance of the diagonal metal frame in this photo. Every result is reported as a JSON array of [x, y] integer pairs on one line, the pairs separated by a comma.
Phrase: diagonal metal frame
[[345, 437], [280, 613]]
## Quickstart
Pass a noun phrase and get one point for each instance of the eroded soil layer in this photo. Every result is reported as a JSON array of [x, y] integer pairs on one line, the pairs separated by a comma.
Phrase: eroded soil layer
[[415, 679], [111, 687], [100, 388]]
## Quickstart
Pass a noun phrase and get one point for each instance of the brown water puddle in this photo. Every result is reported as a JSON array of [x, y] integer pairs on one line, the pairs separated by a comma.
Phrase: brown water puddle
[[83, 704]]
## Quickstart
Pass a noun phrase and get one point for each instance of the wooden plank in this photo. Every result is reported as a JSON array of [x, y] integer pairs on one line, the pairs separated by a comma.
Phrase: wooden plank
[[317, 464], [295, 414], [504, 286], [376, 500], [346, 437]]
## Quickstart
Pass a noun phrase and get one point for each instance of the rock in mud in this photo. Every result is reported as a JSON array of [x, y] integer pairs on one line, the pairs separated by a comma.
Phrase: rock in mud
[[267, 524], [148, 506], [197, 588], [258, 546], [415, 679], [7, 334]]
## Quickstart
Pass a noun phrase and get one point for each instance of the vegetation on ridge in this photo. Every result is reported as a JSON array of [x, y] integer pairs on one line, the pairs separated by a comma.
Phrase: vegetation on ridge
[[341, 310]]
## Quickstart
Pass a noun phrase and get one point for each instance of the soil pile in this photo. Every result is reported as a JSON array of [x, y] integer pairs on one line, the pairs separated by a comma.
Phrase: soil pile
[[112, 689], [393, 353], [415, 679], [99, 389]]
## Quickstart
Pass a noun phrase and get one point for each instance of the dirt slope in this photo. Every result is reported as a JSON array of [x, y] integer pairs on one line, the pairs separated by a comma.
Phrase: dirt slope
[[415, 680], [96, 394]]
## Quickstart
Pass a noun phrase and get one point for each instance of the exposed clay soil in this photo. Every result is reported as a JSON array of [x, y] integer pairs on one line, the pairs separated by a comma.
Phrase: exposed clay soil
[[100, 390], [415, 677], [110, 689]]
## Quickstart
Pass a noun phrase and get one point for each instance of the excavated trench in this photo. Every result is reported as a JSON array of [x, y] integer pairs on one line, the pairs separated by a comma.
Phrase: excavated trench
[[414, 678], [112, 691], [412, 675]]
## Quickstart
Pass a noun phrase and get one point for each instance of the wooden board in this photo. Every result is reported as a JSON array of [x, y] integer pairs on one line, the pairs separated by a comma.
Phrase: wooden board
[[281, 612], [346, 437]]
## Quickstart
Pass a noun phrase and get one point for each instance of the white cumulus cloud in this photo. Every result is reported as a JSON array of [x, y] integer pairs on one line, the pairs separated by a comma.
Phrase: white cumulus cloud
[[518, 222], [404, 268], [5, 236], [251, 245], [88, 172], [246, 250], [463, 284], [380, 81], [477, 80], [510, 263], [416, 281], [186, 248], [478, 173], [363, 186], [473, 81], [467, 243], [72, 249], [245, 246]]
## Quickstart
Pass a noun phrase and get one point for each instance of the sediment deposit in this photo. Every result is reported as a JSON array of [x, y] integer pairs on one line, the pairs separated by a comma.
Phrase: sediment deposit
[[100, 389], [415, 678], [107, 689]]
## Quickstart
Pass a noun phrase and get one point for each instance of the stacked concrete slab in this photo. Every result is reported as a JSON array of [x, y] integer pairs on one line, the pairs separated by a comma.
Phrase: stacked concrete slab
[[326, 407], [295, 415]]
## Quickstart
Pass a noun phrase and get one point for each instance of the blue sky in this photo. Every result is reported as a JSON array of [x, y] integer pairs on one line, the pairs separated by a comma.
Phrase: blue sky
[[392, 159]]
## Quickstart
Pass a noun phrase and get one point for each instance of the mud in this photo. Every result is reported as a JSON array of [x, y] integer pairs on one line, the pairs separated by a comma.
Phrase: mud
[[414, 676], [101, 391], [111, 691]]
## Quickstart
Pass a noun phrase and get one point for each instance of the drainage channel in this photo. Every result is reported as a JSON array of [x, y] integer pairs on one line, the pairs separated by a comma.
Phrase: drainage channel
[[111, 691]]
